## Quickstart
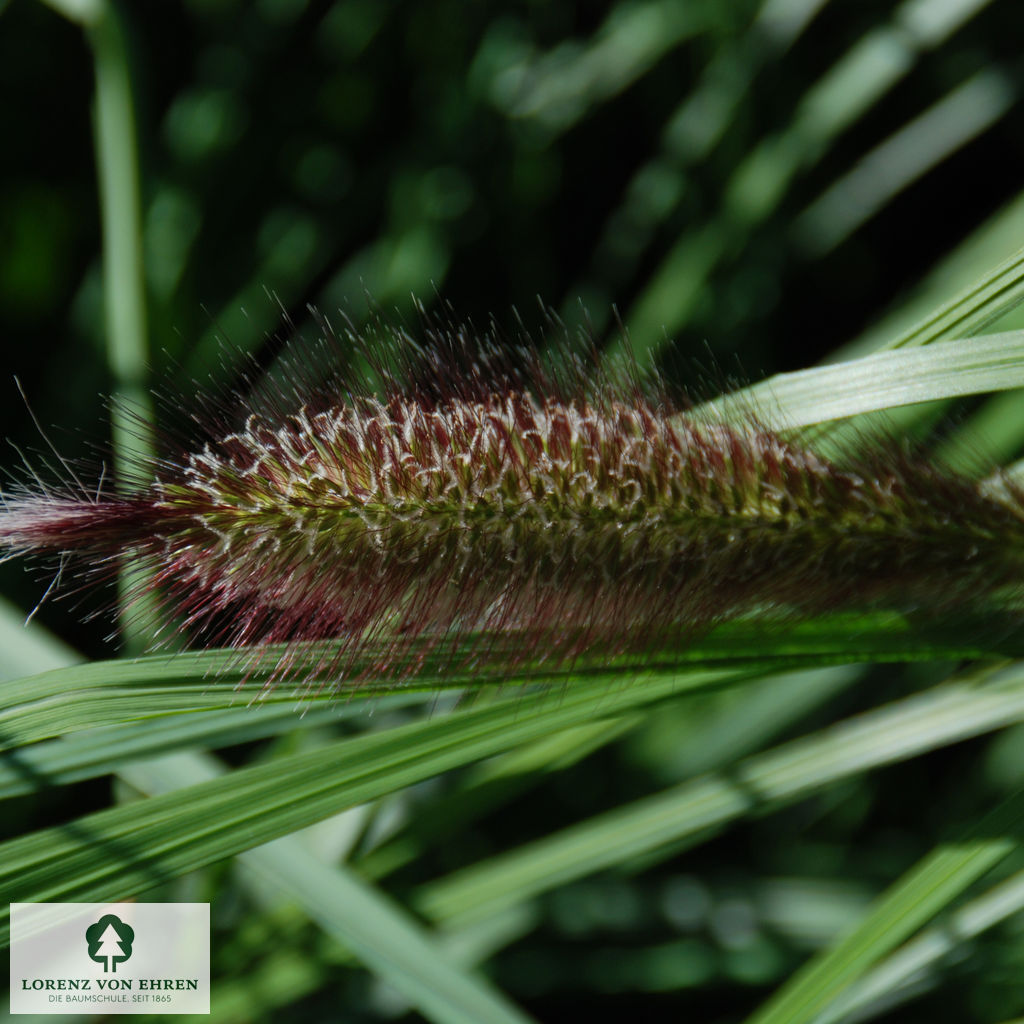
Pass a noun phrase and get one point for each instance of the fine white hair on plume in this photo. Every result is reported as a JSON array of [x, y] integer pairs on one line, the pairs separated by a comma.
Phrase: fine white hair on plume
[[460, 501]]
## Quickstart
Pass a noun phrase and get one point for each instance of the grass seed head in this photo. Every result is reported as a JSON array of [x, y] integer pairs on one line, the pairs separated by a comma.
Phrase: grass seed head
[[472, 502]]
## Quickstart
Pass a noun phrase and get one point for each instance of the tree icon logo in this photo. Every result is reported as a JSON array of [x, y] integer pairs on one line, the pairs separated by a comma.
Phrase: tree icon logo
[[110, 941]]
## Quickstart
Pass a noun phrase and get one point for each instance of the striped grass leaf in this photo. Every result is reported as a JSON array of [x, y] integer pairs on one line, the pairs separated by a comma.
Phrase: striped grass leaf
[[118, 694], [673, 818], [901, 974], [881, 381], [988, 299], [704, 739], [922, 893], [385, 937], [115, 853]]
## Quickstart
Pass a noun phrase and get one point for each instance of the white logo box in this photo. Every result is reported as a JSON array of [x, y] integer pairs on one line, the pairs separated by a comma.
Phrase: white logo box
[[110, 958]]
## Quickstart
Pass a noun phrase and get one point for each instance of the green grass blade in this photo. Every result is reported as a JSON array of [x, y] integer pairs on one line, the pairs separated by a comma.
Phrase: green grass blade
[[384, 937], [92, 753], [980, 304], [701, 742], [63, 701], [560, 88], [899, 974], [923, 892], [115, 853], [957, 275], [851, 86], [906, 729], [916, 148], [884, 380], [124, 288]]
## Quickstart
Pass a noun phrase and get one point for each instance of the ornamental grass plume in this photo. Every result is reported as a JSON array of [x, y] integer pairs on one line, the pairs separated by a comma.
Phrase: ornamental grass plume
[[480, 499]]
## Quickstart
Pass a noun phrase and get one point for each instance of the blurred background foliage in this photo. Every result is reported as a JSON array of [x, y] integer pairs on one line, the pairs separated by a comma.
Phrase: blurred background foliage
[[764, 181]]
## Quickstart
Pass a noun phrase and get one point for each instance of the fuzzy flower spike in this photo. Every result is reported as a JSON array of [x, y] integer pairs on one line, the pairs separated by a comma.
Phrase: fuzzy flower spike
[[473, 501]]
